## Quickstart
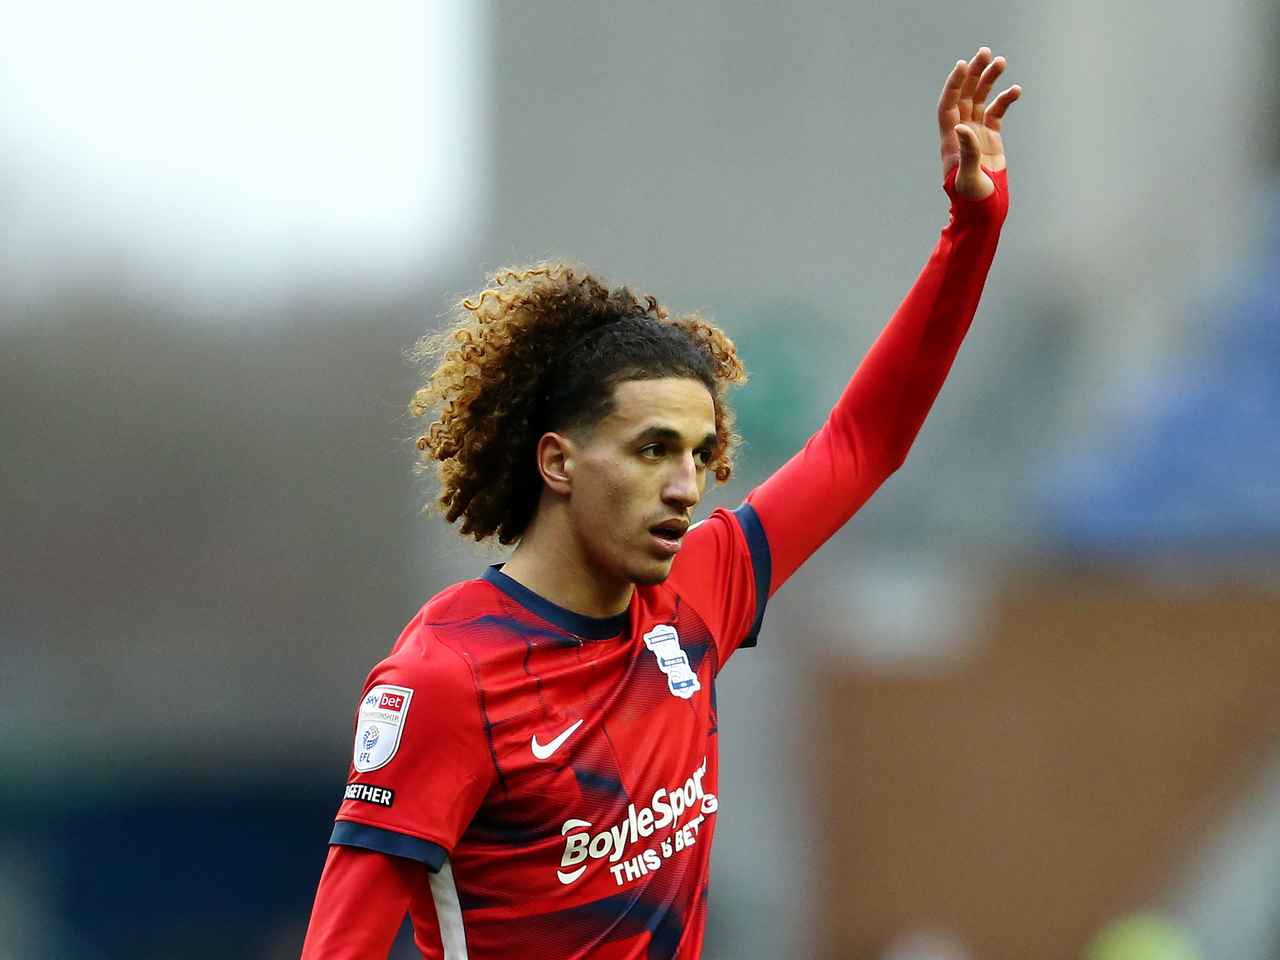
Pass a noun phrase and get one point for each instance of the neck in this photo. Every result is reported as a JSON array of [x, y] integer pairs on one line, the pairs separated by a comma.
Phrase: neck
[[550, 562]]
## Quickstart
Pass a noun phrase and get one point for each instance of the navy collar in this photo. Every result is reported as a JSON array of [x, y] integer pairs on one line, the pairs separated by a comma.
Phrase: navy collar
[[578, 624]]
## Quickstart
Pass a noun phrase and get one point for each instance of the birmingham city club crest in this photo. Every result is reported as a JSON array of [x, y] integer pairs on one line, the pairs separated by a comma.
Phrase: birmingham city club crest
[[672, 660]]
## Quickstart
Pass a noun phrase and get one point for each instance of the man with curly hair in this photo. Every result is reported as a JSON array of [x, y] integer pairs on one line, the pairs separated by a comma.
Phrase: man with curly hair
[[534, 768]]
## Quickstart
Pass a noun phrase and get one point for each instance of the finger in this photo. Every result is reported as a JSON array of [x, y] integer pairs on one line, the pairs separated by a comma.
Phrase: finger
[[995, 112], [986, 82], [951, 91], [976, 66]]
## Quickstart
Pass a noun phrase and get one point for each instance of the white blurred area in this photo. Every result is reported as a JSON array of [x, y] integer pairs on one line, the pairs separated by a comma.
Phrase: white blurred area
[[240, 149]]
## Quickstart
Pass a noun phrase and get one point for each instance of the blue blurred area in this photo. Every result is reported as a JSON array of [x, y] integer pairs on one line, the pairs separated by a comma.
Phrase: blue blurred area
[[167, 869], [1197, 467]]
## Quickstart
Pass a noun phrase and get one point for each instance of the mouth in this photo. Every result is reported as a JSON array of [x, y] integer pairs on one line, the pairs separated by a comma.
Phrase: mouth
[[667, 536]]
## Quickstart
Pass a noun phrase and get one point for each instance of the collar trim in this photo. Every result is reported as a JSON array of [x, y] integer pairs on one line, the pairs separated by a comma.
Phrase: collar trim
[[578, 624]]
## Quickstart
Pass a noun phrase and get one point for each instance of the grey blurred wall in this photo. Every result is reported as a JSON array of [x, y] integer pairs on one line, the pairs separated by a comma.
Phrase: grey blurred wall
[[730, 154]]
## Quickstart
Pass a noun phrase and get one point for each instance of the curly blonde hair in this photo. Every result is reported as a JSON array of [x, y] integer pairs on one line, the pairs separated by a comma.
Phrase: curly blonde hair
[[541, 348]]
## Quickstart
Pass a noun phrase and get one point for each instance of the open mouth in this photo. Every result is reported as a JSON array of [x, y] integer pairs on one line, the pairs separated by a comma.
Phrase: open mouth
[[667, 536]]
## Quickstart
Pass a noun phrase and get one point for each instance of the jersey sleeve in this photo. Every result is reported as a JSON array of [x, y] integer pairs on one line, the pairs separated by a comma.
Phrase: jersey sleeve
[[420, 762], [360, 903], [878, 415], [723, 572]]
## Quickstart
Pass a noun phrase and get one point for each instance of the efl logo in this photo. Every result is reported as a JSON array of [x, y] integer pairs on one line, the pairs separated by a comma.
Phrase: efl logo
[[392, 701], [379, 726]]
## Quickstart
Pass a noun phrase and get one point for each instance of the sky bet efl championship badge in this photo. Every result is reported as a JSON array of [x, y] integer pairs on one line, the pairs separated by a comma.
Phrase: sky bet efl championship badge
[[379, 725]]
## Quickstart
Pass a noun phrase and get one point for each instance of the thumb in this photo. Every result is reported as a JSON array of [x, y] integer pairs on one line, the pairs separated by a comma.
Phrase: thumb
[[971, 181], [968, 147]]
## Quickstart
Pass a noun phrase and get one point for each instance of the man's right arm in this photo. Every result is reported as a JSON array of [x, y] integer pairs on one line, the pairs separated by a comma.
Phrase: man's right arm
[[880, 412], [361, 901], [420, 767]]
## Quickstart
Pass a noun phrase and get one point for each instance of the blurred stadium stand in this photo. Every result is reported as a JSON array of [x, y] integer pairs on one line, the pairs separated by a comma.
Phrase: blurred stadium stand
[[1193, 468]]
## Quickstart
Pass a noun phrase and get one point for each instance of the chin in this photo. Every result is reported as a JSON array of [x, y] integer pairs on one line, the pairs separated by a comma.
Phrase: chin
[[652, 575]]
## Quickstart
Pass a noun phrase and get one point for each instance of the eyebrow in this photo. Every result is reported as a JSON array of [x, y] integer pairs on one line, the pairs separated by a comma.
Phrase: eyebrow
[[672, 436]]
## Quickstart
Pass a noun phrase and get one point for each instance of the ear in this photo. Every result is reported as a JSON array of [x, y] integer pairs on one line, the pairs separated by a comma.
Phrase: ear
[[556, 454]]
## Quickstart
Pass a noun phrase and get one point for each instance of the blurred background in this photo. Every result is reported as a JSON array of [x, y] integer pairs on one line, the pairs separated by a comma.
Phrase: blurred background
[[1027, 704]]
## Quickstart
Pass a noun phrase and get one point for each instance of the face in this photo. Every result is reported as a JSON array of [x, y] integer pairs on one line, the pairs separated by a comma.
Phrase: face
[[642, 466]]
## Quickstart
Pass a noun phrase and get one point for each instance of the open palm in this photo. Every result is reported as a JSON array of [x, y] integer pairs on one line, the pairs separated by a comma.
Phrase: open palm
[[963, 104]]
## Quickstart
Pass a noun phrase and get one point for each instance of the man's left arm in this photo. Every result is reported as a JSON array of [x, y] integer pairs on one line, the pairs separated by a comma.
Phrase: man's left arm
[[875, 421]]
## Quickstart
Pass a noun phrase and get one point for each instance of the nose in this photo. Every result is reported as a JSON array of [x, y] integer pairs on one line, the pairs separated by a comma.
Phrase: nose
[[682, 489]]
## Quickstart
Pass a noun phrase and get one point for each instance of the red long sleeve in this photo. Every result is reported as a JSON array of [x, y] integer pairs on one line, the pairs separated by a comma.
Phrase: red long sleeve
[[875, 421], [361, 901]]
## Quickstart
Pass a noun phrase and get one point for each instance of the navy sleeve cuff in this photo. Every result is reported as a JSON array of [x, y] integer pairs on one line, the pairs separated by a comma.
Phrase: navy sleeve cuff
[[350, 834], [761, 565]]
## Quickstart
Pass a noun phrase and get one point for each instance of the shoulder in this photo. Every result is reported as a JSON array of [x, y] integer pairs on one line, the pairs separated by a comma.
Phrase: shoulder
[[431, 650], [726, 537], [723, 571]]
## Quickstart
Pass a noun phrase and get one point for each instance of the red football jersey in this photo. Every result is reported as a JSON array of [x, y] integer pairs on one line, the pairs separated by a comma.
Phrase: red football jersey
[[558, 771]]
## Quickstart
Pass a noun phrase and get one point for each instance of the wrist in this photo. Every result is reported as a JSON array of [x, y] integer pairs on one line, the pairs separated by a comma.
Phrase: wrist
[[992, 207]]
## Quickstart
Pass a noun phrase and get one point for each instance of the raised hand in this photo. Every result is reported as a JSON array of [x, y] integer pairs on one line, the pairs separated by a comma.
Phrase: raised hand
[[969, 127]]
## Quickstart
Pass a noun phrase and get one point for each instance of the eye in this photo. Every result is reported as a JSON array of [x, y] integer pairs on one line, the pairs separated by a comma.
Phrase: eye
[[704, 455], [653, 450]]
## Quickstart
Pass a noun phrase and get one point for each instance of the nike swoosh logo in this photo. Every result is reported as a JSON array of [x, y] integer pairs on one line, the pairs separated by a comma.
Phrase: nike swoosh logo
[[543, 751]]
